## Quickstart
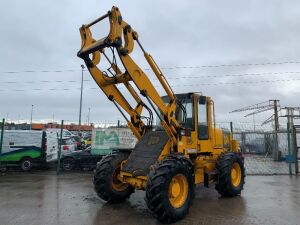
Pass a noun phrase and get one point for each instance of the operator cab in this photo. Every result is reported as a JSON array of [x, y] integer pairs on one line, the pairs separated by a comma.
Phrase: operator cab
[[189, 105]]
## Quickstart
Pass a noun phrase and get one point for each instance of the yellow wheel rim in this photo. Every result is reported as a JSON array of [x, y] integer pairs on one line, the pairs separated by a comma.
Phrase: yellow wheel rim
[[178, 190], [236, 174]]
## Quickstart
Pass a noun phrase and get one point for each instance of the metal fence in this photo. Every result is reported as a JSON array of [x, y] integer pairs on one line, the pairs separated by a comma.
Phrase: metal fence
[[266, 152]]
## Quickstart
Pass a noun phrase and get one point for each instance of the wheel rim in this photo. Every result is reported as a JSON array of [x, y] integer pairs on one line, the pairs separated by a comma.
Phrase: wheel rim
[[68, 164], [26, 164], [178, 190], [236, 174]]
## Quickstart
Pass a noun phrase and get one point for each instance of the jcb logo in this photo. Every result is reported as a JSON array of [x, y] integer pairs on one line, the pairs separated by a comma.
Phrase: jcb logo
[[153, 140]]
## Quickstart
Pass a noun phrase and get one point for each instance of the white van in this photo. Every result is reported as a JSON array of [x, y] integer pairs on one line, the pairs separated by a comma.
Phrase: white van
[[26, 148]]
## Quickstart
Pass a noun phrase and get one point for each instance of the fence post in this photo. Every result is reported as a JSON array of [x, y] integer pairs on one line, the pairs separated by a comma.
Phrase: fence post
[[59, 147], [276, 147], [295, 149], [289, 148], [1, 139], [243, 139]]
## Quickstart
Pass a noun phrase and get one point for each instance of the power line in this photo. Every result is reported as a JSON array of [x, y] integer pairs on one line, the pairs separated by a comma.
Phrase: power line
[[43, 81], [235, 75], [169, 78], [228, 65], [40, 71], [242, 82], [181, 85], [164, 67]]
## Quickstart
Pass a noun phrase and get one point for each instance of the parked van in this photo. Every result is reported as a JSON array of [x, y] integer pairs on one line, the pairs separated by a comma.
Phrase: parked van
[[28, 148]]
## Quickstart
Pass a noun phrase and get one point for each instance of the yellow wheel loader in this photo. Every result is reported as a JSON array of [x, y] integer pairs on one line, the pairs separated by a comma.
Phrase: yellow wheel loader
[[168, 160]]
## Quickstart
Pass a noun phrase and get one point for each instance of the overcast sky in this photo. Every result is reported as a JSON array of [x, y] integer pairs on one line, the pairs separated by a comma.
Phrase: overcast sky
[[43, 36]]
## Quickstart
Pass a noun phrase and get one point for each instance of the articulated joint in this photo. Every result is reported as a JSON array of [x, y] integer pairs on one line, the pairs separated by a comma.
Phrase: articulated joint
[[138, 182]]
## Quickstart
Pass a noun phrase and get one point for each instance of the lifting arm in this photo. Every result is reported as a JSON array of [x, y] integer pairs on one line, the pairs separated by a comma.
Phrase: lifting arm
[[91, 52]]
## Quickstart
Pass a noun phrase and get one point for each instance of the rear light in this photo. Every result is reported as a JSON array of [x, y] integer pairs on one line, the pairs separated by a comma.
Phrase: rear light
[[65, 147], [46, 148]]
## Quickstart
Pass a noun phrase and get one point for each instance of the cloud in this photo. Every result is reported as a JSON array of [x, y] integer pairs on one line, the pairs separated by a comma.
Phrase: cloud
[[43, 35]]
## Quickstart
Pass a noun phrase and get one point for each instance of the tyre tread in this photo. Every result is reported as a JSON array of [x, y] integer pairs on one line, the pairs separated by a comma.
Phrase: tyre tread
[[102, 176], [223, 166], [156, 187]]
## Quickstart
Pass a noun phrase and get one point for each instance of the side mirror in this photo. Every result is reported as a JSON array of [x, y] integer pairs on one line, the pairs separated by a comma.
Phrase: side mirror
[[202, 100]]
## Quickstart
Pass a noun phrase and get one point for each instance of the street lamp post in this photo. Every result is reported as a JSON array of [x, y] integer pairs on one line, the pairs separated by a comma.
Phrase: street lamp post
[[80, 107], [31, 117], [88, 123]]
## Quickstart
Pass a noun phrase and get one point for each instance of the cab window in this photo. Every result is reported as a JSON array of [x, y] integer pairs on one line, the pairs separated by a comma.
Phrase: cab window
[[202, 118], [187, 122], [184, 113]]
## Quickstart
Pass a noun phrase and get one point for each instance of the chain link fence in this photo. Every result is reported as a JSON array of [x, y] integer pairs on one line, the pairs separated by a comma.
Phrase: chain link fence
[[265, 152]]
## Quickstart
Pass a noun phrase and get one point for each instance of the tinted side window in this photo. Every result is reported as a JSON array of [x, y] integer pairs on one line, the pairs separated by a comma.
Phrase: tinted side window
[[202, 121]]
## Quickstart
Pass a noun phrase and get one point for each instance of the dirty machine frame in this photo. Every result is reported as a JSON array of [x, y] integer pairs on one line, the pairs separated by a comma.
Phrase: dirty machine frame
[[184, 150]]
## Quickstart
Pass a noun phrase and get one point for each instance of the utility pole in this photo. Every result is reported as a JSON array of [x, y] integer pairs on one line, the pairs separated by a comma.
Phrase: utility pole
[[276, 129], [89, 116], [80, 106], [31, 117], [290, 123], [276, 117], [264, 107]]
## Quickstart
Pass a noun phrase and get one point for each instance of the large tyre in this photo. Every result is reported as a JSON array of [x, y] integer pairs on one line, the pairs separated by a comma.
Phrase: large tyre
[[26, 164], [106, 184], [231, 174], [170, 188]]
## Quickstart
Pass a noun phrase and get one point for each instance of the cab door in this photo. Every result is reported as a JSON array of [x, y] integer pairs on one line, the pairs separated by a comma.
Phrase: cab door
[[51, 145]]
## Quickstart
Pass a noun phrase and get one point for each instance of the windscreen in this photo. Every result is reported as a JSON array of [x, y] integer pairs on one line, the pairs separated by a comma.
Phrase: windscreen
[[184, 111]]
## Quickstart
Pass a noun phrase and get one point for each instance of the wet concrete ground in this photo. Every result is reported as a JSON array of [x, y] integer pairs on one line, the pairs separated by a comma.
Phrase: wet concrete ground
[[42, 198]]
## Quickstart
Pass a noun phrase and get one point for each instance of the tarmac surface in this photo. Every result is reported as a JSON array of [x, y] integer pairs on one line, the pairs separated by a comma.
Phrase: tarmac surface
[[42, 198]]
